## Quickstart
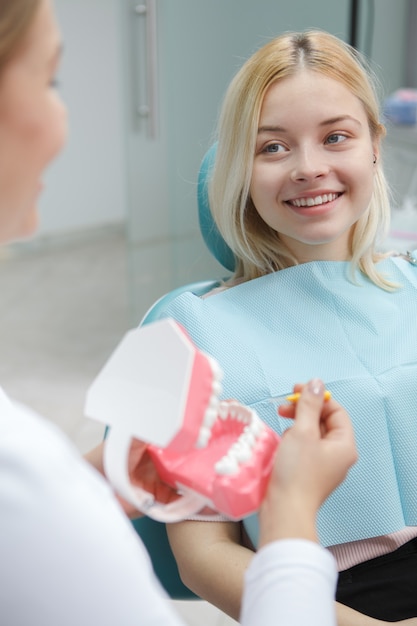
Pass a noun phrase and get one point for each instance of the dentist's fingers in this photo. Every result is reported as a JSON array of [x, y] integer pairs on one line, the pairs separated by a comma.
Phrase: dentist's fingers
[[143, 473], [309, 407], [322, 438], [288, 408]]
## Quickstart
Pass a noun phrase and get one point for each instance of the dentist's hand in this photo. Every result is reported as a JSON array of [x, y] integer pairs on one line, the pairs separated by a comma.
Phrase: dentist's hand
[[142, 473], [313, 458]]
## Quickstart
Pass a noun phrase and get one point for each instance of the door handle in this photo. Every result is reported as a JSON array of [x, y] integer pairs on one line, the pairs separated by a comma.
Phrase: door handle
[[147, 97]]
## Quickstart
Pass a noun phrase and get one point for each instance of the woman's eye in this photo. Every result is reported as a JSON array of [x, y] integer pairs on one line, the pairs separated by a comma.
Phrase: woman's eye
[[335, 138], [273, 148]]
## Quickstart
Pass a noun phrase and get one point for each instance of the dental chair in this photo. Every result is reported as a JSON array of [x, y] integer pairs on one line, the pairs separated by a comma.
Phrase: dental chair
[[152, 533]]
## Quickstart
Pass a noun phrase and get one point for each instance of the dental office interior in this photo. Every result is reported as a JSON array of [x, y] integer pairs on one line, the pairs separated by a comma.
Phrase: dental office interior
[[119, 222]]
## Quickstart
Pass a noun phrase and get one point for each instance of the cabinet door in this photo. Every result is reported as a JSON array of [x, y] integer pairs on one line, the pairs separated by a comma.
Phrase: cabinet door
[[180, 56]]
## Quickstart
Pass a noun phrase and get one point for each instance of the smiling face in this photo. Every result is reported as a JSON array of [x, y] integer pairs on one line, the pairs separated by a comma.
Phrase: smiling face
[[313, 169], [32, 123]]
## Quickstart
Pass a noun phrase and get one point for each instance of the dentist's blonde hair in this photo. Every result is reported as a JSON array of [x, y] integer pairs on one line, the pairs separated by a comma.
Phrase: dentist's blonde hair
[[257, 247], [16, 17]]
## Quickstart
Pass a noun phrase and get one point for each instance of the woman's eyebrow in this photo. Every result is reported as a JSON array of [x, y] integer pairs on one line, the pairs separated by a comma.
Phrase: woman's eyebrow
[[327, 122], [340, 118], [271, 129]]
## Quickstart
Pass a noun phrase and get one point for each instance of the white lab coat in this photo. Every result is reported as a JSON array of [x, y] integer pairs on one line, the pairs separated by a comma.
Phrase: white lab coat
[[69, 556]]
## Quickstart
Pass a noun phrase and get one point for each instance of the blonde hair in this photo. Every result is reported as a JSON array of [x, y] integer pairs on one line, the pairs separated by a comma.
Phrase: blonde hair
[[257, 248], [16, 17]]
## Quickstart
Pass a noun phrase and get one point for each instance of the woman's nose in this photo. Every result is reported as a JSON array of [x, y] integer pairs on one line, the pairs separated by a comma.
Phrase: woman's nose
[[309, 164]]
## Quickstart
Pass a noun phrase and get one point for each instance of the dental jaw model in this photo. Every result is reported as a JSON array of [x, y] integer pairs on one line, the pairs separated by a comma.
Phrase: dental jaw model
[[159, 388]]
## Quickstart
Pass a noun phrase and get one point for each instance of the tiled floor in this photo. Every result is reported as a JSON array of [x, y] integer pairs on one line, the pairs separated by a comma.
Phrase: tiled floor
[[63, 309]]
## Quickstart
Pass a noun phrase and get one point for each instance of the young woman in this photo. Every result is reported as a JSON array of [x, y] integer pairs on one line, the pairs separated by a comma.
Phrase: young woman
[[68, 554], [298, 193]]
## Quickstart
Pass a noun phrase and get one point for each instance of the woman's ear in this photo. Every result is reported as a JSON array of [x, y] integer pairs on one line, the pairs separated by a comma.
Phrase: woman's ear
[[376, 142], [376, 151]]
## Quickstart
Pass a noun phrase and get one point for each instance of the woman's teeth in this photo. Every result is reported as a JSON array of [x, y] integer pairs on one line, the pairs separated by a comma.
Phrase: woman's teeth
[[299, 202]]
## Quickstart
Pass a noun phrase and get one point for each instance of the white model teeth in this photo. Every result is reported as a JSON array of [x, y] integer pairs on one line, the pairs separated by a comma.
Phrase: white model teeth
[[211, 413], [257, 427], [215, 367], [227, 465], [234, 410], [250, 439], [203, 437], [241, 451], [223, 410], [217, 388], [299, 202], [214, 402], [210, 417]]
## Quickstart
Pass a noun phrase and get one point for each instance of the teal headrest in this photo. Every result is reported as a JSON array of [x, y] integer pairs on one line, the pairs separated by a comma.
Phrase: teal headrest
[[213, 239]]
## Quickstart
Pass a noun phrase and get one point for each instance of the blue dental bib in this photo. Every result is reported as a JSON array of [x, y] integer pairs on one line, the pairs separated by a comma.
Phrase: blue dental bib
[[310, 321]]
